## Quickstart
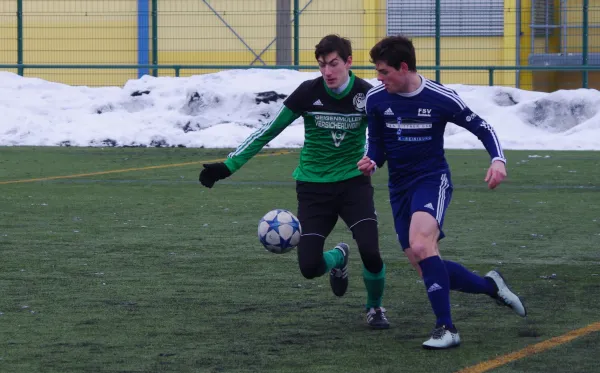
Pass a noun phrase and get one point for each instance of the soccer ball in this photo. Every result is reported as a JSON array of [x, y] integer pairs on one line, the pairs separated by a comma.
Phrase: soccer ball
[[279, 231]]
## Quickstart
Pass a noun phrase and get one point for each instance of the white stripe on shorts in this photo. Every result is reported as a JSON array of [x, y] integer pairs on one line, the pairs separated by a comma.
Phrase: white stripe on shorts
[[441, 198]]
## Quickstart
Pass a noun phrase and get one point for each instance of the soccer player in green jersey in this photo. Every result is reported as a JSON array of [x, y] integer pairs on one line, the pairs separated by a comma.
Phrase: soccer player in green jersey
[[328, 184]]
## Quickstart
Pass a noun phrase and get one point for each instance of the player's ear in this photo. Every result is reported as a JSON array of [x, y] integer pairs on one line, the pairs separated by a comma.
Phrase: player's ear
[[403, 67], [349, 61]]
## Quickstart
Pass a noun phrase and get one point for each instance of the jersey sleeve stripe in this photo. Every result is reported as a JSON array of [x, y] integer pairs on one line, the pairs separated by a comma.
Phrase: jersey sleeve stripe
[[452, 92], [255, 135], [373, 91], [496, 141], [451, 95], [490, 129], [443, 87]]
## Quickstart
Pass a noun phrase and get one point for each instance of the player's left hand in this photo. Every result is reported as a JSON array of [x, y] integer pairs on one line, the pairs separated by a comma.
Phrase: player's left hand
[[366, 166], [496, 174], [213, 172]]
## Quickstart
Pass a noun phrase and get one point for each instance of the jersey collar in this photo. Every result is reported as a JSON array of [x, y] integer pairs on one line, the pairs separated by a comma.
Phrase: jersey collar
[[417, 91], [345, 92]]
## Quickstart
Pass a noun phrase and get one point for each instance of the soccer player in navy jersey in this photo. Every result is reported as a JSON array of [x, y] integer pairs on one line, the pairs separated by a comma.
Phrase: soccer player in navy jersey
[[407, 116]]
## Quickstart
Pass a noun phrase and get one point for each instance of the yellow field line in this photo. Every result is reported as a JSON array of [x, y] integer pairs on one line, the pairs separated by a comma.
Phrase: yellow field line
[[127, 170], [532, 350]]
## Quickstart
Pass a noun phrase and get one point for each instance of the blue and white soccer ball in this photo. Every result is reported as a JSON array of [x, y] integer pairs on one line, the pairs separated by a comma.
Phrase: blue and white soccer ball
[[279, 231]]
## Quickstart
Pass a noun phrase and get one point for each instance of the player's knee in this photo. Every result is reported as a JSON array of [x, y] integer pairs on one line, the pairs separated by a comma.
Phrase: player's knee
[[311, 269], [371, 258], [373, 264], [422, 247], [310, 256], [366, 236]]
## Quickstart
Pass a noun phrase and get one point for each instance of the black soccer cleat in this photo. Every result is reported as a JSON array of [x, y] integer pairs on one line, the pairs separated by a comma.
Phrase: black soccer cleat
[[338, 277], [376, 318]]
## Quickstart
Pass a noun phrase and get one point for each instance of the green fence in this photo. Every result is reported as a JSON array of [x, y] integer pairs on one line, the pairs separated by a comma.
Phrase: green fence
[[531, 44]]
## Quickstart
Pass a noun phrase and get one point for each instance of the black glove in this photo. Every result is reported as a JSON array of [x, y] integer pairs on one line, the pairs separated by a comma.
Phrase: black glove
[[213, 172]]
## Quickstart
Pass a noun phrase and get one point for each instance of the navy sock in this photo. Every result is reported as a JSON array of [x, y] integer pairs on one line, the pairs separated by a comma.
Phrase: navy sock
[[437, 284], [461, 279]]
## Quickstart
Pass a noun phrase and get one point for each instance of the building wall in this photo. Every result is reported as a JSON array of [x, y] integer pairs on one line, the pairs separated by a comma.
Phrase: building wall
[[575, 17], [558, 44], [363, 21], [8, 32], [200, 37], [72, 32], [189, 32]]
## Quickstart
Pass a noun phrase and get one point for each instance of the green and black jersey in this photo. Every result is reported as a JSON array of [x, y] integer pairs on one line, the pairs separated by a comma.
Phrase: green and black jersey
[[334, 131]]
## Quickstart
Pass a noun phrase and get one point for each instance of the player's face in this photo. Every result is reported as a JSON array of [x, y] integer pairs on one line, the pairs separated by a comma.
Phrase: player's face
[[394, 80], [334, 69]]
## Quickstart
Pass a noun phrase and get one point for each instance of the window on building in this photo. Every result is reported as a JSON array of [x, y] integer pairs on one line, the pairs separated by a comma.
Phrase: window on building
[[457, 17], [543, 17]]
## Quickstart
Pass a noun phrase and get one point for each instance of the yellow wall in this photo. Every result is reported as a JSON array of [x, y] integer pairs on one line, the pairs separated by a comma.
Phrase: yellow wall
[[105, 32], [208, 41], [201, 38], [574, 44], [198, 36], [8, 32], [73, 32], [553, 80], [460, 51], [575, 17]]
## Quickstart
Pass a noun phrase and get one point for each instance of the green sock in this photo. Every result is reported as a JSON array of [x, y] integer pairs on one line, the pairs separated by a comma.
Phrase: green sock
[[375, 283], [333, 258]]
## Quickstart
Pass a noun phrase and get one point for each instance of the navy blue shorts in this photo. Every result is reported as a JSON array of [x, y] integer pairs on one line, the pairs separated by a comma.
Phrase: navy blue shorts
[[430, 194]]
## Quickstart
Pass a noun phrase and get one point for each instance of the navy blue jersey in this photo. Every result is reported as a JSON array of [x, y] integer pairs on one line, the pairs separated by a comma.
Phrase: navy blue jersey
[[407, 130]]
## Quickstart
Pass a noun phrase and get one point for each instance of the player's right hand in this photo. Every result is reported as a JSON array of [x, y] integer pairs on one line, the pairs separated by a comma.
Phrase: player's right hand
[[212, 173], [366, 166]]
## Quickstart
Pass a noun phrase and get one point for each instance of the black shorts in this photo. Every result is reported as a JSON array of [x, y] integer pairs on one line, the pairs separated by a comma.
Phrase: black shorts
[[320, 204]]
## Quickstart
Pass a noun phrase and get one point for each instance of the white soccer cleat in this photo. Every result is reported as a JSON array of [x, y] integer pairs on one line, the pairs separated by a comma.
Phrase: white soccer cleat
[[442, 338], [504, 296]]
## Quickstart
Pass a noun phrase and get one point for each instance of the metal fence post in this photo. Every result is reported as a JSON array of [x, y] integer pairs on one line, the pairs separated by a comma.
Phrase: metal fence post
[[296, 32], [283, 33], [20, 36], [584, 44], [438, 13], [143, 36], [155, 36], [518, 45]]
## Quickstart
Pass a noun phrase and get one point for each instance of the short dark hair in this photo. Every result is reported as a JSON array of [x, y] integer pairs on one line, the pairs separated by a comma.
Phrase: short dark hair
[[334, 43], [393, 50]]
